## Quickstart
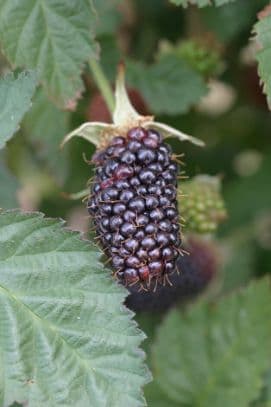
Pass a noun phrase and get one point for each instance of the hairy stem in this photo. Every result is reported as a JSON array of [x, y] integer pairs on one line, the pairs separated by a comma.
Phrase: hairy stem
[[102, 83]]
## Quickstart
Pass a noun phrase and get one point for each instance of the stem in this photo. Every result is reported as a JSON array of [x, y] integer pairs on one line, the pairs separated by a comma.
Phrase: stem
[[102, 83]]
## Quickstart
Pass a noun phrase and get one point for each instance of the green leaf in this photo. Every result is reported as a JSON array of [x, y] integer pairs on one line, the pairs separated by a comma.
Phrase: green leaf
[[263, 37], [65, 337], [15, 99], [53, 37], [8, 188], [231, 20], [241, 206], [169, 86], [156, 397], [238, 270], [215, 355], [46, 126], [200, 3], [107, 17]]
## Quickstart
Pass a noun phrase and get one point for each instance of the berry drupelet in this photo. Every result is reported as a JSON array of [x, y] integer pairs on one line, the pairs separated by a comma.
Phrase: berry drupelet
[[194, 274], [133, 203]]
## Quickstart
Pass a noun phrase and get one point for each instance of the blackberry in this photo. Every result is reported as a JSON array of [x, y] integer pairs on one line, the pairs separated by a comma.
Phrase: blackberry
[[195, 272], [134, 198]]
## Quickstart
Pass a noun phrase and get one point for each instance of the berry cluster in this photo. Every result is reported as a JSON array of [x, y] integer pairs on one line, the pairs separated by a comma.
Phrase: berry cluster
[[203, 209], [134, 206], [194, 273]]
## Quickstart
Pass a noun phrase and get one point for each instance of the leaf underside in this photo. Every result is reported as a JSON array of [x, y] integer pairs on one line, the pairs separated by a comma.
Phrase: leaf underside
[[65, 337]]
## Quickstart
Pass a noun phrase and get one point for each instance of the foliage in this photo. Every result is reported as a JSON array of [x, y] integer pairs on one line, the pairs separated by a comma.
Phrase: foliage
[[36, 41], [65, 336], [15, 98], [231, 350], [169, 86], [62, 325], [263, 37]]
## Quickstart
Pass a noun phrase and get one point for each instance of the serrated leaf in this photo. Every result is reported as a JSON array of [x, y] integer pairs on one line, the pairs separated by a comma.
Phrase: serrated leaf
[[200, 3], [65, 338], [263, 37], [169, 86], [46, 126], [15, 99], [215, 355], [8, 188], [53, 37]]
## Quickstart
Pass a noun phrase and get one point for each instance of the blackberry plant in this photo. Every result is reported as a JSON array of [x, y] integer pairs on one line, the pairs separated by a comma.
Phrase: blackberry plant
[[133, 198]]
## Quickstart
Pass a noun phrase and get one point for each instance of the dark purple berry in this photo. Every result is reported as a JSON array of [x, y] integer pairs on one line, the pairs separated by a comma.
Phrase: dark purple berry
[[106, 209], [164, 201], [156, 167], [134, 208], [171, 213], [150, 142], [155, 254], [148, 243], [140, 235], [131, 245], [130, 275], [151, 228], [134, 146], [156, 215], [128, 229], [119, 208], [142, 190], [153, 134], [147, 176], [142, 254], [106, 183], [109, 194], [156, 267], [123, 171], [167, 253], [117, 262], [122, 184], [165, 225], [118, 141], [117, 239], [105, 223], [135, 182], [163, 239], [142, 220], [115, 222], [132, 261], [137, 133], [146, 156], [128, 157], [126, 195], [110, 167], [129, 216], [137, 205], [151, 201]]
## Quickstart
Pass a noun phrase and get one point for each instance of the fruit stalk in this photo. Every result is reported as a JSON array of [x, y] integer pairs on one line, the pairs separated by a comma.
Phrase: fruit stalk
[[102, 83]]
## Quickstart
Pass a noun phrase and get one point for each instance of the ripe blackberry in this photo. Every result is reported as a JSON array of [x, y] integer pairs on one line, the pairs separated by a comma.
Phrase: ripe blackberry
[[195, 272], [135, 188], [142, 220]]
